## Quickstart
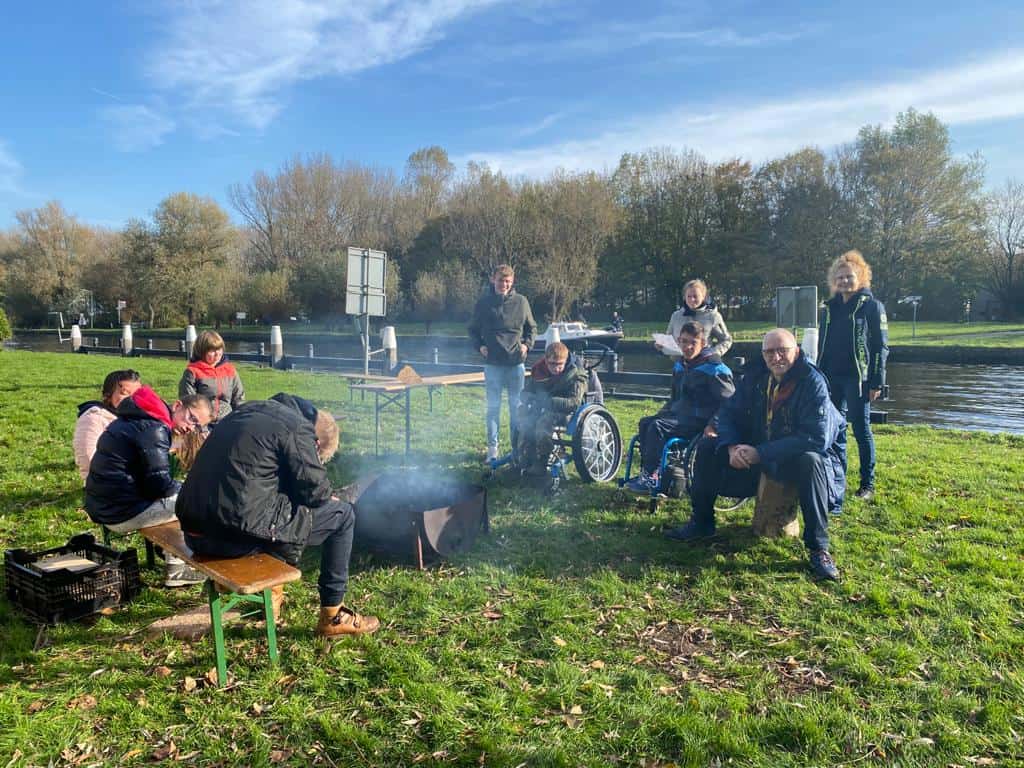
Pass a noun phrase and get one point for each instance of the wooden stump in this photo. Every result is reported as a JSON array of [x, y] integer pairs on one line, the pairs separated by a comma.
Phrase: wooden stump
[[775, 512]]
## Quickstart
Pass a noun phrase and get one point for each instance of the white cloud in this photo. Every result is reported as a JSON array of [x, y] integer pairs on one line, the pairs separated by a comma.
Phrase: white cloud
[[135, 127], [543, 124], [987, 89], [611, 38], [240, 57], [10, 170]]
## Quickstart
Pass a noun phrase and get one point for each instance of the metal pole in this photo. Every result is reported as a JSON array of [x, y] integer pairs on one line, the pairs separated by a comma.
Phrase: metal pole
[[913, 331], [366, 343]]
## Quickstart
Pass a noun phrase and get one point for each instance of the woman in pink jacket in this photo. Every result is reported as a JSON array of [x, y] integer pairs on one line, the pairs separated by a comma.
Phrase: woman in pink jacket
[[96, 415]]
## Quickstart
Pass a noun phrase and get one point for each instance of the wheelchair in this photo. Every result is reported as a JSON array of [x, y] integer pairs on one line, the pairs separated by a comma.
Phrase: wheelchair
[[675, 471], [590, 440]]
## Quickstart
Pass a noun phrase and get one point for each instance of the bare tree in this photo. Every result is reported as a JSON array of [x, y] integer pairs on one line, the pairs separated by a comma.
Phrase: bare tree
[[1005, 231]]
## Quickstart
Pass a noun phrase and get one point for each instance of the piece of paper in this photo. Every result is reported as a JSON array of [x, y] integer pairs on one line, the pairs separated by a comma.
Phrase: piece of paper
[[667, 344], [73, 563]]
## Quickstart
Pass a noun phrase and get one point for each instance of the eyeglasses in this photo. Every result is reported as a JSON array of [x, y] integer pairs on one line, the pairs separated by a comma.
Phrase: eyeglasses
[[192, 418], [776, 351]]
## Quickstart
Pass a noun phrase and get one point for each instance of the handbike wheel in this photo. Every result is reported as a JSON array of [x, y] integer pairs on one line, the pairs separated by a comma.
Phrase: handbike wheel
[[597, 446]]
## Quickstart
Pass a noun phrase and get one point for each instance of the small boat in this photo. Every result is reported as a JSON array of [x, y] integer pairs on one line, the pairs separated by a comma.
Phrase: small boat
[[576, 335]]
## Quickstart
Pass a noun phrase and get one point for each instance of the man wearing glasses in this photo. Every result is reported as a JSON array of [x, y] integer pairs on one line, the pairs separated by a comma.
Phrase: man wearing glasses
[[130, 485], [781, 421]]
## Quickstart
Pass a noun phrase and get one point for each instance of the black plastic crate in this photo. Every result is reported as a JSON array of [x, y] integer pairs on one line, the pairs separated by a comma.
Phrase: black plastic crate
[[59, 595]]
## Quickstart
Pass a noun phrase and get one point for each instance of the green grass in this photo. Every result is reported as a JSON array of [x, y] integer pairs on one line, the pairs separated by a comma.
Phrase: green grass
[[574, 634]]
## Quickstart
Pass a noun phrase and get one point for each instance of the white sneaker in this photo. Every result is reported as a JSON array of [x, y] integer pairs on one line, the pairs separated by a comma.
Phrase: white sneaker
[[180, 575], [492, 454]]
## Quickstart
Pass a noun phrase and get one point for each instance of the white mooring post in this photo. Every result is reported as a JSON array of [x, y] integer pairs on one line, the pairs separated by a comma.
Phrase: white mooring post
[[190, 340], [390, 344], [276, 346], [76, 337], [126, 340]]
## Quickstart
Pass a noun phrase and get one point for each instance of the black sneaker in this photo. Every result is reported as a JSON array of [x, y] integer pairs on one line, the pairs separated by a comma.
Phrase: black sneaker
[[824, 566], [690, 532], [865, 493]]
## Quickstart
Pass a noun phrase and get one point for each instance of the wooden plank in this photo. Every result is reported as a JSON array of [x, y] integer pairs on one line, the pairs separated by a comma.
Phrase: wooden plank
[[245, 575], [366, 377]]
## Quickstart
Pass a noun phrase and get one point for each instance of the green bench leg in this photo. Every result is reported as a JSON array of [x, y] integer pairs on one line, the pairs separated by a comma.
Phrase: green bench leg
[[216, 621], [218, 605], [268, 613], [150, 553]]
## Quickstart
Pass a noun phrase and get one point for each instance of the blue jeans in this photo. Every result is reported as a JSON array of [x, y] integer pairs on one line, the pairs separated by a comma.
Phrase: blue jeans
[[498, 378], [846, 394]]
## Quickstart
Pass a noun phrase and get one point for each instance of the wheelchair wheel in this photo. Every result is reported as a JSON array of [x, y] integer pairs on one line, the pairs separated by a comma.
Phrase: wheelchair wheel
[[596, 446]]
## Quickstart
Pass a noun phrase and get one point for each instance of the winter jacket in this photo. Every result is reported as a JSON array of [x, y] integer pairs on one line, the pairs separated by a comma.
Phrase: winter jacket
[[502, 323], [562, 394], [93, 419], [218, 382], [131, 468], [698, 389], [716, 335], [258, 474], [870, 338], [803, 420]]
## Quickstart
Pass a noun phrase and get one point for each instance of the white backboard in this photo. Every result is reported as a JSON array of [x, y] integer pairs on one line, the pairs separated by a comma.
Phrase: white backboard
[[364, 291]]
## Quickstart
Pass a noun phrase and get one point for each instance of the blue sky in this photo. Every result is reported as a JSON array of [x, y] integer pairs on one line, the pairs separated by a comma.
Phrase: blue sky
[[110, 107]]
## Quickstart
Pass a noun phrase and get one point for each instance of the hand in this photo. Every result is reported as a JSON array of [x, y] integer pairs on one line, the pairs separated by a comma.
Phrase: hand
[[710, 431], [334, 498], [874, 394], [743, 456], [525, 350], [483, 351]]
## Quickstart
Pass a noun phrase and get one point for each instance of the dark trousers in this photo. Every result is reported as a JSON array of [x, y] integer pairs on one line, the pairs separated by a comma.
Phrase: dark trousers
[[654, 432], [333, 524], [845, 391], [714, 477], [535, 428]]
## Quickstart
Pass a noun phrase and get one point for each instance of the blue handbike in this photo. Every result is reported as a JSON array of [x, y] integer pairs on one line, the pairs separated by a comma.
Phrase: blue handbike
[[676, 471]]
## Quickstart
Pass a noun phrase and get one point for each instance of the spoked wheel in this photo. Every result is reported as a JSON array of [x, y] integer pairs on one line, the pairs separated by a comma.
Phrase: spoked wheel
[[722, 503], [597, 446]]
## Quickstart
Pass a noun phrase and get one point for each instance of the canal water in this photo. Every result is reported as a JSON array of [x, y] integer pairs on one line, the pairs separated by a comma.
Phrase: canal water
[[976, 397]]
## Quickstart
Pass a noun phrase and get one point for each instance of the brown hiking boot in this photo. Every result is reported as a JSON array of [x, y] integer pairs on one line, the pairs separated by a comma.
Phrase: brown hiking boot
[[339, 620]]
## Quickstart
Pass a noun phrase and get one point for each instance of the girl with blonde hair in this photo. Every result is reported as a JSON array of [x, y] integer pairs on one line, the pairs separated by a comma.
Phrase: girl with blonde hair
[[209, 373]]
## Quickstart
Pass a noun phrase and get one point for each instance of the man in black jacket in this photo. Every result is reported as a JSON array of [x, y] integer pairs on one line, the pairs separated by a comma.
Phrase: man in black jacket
[[259, 485], [129, 485], [502, 331]]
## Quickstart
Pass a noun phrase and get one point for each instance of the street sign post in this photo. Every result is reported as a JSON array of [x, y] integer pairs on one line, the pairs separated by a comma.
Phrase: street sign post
[[364, 291], [796, 306]]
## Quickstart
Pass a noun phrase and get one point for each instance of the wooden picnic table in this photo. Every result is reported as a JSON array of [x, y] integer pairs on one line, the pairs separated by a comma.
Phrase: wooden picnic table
[[397, 393]]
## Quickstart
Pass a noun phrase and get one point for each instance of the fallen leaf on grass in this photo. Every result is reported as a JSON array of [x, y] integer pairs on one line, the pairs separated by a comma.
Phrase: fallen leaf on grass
[[211, 676], [559, 641], [163, 752], [609, 690], [493, 615], [85, 701], [280, 755], [668, 690], [576, 710], [597, 664], [36, 706], [129, 755], [162, 671], [189, 684], [571, 721]]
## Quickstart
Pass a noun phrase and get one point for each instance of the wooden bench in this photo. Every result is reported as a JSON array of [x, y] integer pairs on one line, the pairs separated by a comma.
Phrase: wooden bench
[[364, 378], [230, 581]]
